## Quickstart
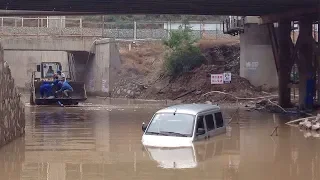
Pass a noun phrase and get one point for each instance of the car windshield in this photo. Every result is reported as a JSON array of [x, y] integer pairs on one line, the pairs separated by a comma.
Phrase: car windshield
[[170, 124]]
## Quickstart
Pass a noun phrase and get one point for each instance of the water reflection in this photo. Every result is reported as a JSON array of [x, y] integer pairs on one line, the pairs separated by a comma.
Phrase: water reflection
[[222, 150], [84, 144]]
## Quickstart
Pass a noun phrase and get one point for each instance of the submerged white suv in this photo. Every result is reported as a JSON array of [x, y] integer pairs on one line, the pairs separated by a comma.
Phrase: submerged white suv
[[181, 125]]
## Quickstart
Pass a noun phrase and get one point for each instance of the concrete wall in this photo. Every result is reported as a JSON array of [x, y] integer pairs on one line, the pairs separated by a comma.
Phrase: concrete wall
[[48, 43], [23, 63], [257, 63], [102, 68], [12, 116]]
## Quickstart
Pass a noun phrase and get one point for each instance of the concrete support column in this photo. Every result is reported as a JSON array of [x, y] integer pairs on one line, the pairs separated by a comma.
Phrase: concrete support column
[[285, 63], [305, 59], [257, 62], [102, 70]]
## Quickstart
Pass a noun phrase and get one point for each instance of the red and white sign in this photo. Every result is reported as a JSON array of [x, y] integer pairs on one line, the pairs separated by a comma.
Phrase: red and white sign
[[216, 78]]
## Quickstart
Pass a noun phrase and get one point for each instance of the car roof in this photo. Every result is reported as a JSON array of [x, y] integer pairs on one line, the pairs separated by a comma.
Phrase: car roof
[[192, 109]]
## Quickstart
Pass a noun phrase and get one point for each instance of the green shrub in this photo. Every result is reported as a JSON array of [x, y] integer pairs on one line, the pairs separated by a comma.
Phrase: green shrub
[[183, 55]]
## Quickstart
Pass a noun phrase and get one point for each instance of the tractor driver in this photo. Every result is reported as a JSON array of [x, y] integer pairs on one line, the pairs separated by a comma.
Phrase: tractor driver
[[50, 72]]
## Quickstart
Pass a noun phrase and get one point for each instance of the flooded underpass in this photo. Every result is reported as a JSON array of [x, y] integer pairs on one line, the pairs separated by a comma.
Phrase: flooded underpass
[[103, 141]]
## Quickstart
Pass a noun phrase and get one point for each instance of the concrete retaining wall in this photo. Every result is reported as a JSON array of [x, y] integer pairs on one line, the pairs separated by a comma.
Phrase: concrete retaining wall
[[12, 114]]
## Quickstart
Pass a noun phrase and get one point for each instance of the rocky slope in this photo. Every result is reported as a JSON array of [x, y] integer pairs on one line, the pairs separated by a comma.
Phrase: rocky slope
[[142, 74]]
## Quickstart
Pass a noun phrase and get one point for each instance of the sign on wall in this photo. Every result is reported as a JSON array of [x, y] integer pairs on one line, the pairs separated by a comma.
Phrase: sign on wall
[[91, 85], [252, 65], [105, 87]]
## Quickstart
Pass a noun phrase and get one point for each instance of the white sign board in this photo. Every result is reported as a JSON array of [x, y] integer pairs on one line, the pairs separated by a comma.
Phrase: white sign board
[[216, 78], [227, 77], [221, 78]]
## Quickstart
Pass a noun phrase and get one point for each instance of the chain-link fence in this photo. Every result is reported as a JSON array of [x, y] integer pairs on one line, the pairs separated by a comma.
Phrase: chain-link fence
[[46, 26]]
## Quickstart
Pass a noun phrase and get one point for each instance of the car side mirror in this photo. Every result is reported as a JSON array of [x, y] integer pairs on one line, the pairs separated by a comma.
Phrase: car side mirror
[[200, 131], [38, 68], [144, 127]]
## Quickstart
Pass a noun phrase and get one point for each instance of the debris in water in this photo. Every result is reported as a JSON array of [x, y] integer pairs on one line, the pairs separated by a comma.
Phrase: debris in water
[[311, 123]]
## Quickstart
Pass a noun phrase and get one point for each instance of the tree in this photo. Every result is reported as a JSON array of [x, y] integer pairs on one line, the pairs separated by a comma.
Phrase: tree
[[182, 55]]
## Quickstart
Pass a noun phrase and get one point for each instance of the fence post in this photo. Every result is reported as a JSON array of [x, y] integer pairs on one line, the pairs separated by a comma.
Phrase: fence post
[[81, 26], [201, 29], [38, 27], [15, 21], [22, 22], [135, 30], [47, 21], [2, 24], [60, 25], [81, 22], [169, 28], [168, 33], [102, 29], [216, 31]]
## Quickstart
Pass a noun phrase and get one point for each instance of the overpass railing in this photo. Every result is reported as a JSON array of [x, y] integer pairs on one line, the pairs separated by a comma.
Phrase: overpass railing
[[62, 26]]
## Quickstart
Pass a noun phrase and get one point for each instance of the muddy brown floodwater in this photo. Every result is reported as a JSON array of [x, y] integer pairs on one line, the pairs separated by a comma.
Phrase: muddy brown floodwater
[[100, 142]]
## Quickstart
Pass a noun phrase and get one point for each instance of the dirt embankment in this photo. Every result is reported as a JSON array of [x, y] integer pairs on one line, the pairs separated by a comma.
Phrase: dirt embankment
[[142, 74]]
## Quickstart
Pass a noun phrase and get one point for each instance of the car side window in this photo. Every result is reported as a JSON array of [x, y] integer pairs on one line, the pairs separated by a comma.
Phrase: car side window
[[209, 122], [219, 119], [200, 126]]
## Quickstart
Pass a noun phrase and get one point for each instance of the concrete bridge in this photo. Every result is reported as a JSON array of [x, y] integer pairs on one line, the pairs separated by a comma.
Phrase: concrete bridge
[[96, 60], [215, 7], [49, 43]]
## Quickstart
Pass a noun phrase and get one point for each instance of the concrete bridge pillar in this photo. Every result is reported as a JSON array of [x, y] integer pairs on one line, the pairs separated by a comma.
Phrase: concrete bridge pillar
[[285, 63], [257, 62], [305, 58]]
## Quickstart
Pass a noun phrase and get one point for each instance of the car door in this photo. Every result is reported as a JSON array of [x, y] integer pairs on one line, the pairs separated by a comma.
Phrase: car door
[[210, 124], [200, 125]]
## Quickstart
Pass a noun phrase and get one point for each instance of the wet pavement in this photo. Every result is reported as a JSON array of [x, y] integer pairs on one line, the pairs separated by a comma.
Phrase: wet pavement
[[102, 140]]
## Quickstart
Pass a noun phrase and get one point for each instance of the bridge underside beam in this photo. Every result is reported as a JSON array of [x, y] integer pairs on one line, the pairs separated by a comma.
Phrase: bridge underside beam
[[199, 7], [292, 15]]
